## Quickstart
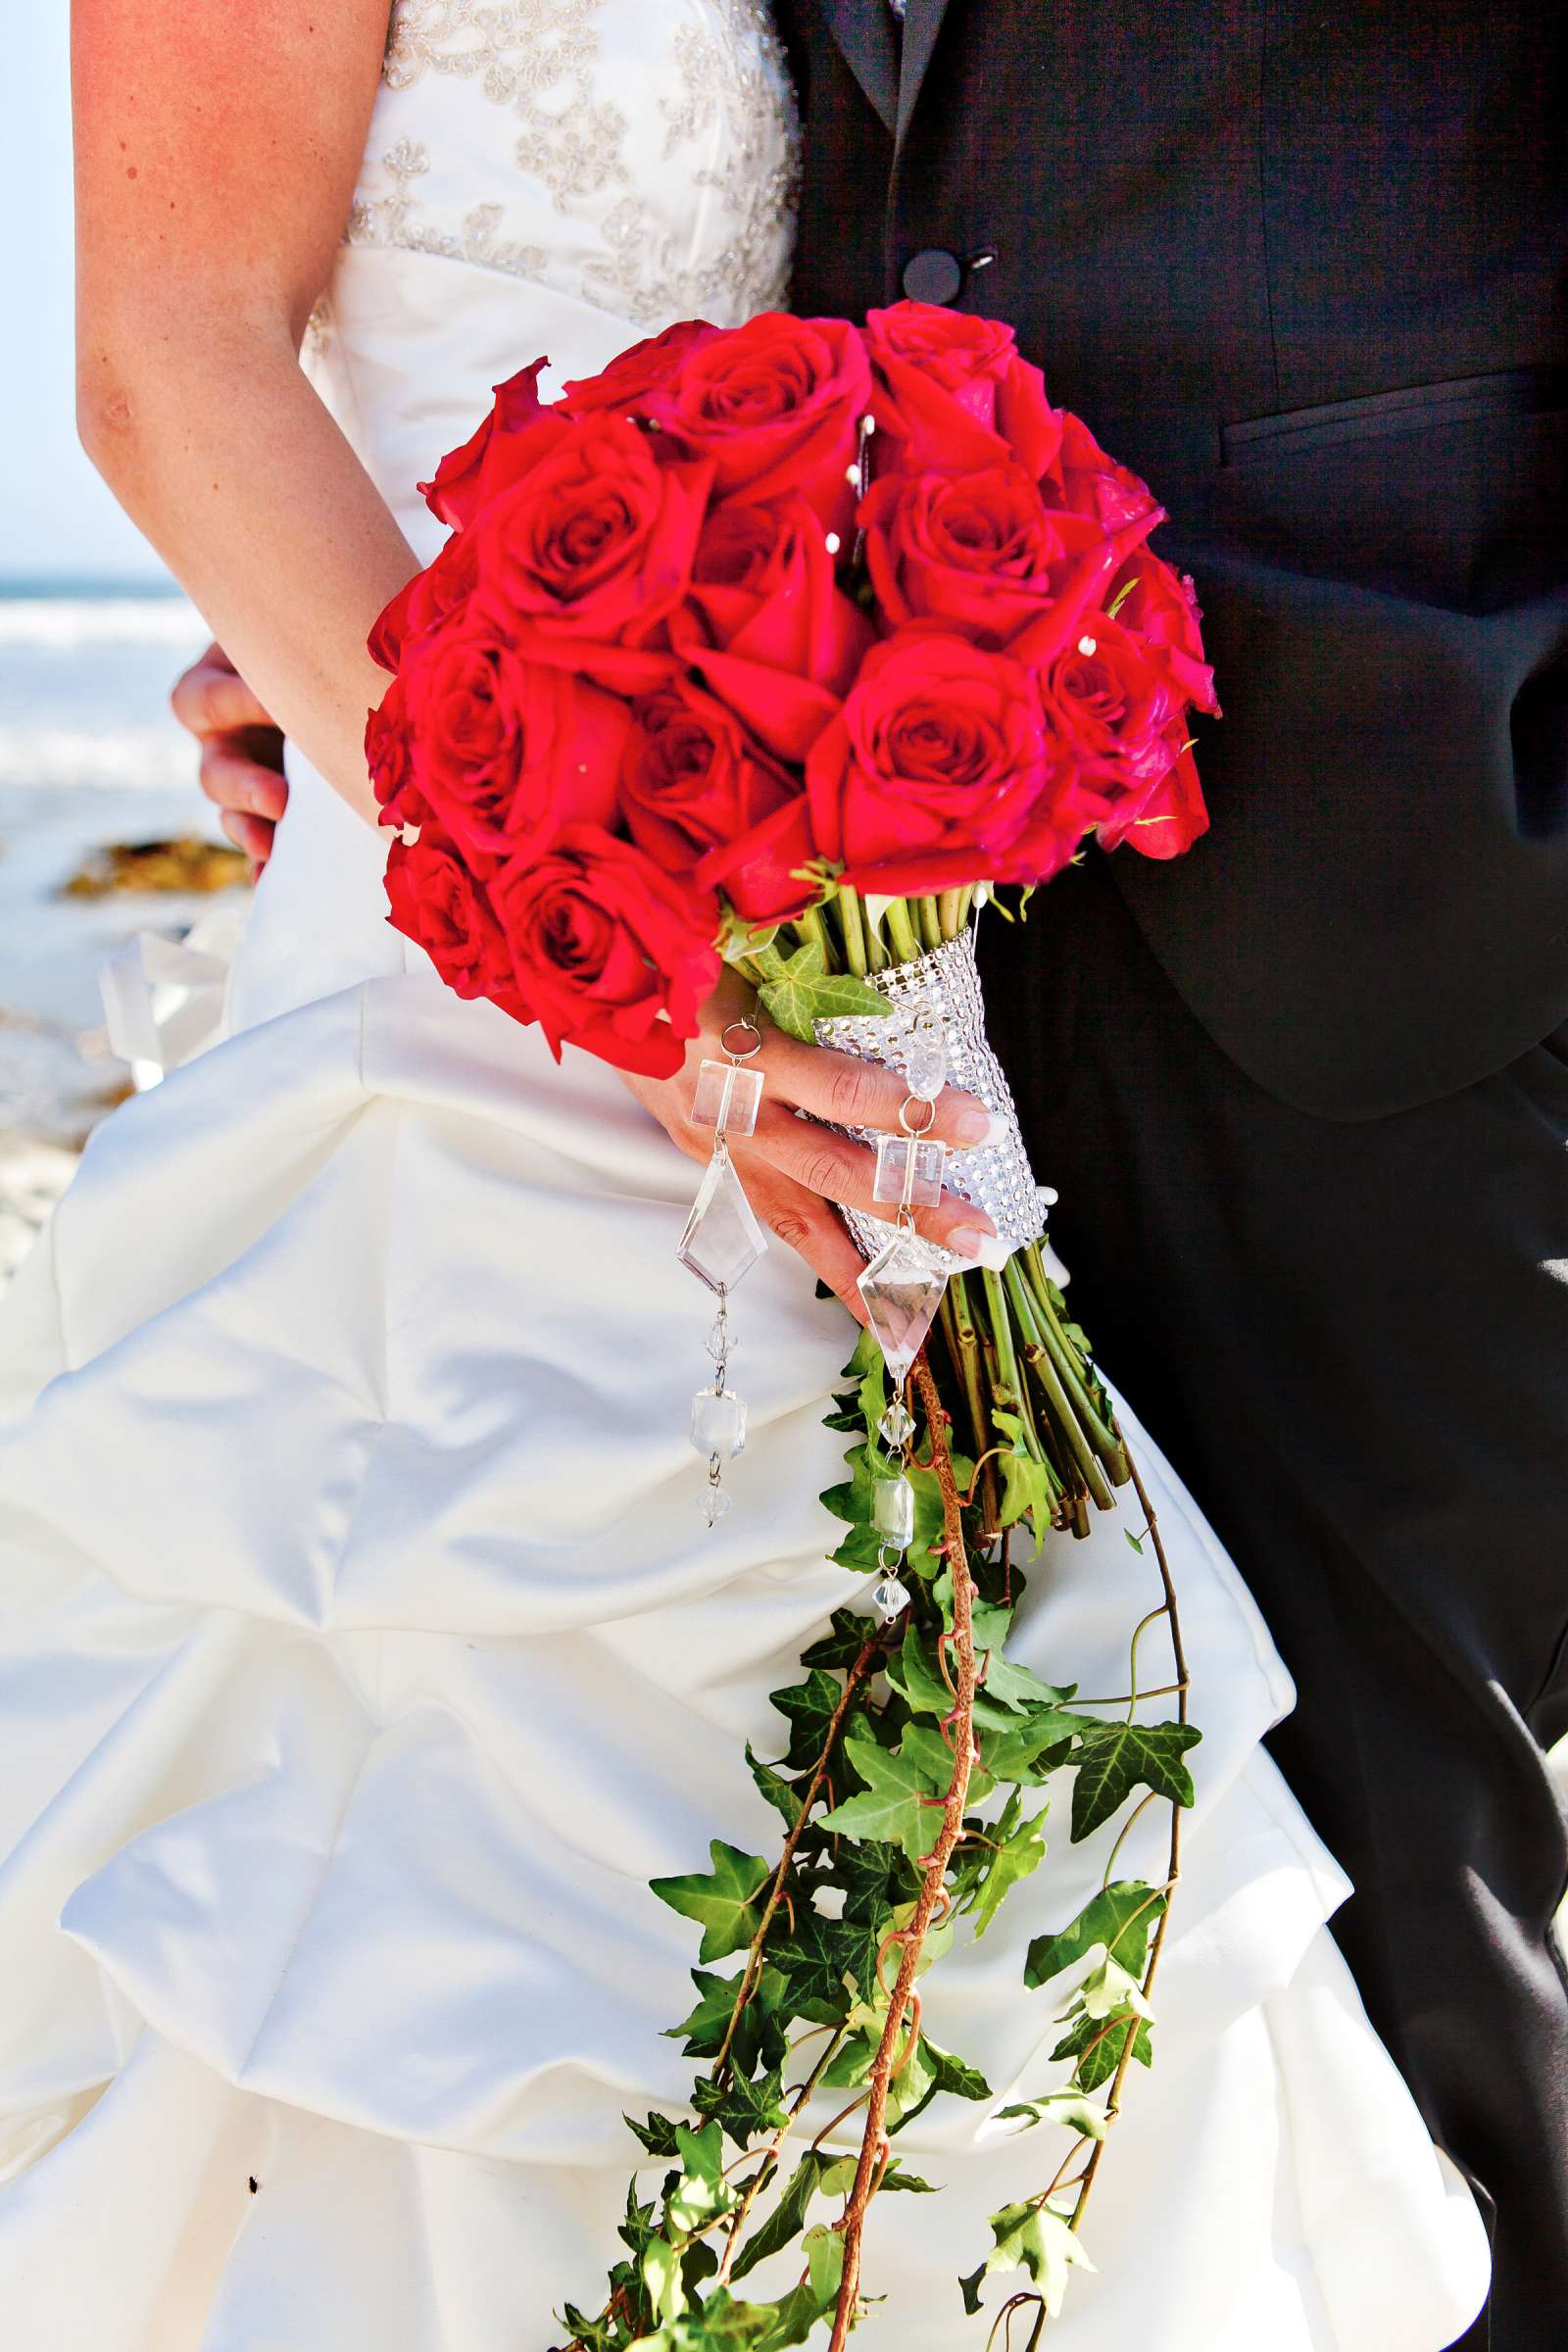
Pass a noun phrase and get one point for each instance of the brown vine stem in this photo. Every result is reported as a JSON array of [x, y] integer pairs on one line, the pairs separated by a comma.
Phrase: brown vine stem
[[868, 2171], [769, 2163], [1174, 1869], [856, 1675]]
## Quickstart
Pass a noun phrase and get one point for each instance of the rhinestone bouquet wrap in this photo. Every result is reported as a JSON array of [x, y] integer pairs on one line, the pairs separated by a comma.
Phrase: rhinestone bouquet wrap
[[944, 984]]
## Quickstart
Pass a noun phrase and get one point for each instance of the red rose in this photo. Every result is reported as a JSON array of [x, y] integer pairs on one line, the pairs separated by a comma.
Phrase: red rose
[[429, 599], [389, 759], [1082, 478], [777, 406], [436, 899], [1168, 820], [690, 778], [978, 552], [607, 951], [1159, 608], [935, 768], [956, 391], [591, 550], [508, 751], [622, 389], [1110, 708], [468, 475], [768, 624]]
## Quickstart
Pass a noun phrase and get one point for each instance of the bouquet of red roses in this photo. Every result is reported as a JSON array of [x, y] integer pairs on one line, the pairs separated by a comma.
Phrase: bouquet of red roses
[[790, 648], [790, 645]]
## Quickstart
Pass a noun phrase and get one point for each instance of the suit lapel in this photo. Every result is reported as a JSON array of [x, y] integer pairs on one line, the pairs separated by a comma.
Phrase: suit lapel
[[866, 31], [922, 21]]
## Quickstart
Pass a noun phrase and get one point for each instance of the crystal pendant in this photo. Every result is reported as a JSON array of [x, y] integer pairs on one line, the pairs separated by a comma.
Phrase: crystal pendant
[[722, 1241], [908, 1168], [715, 1504], [892, 1511], [718, 1423], [721, 1341], [902, 1290], [890, 1598], [897, 1425]]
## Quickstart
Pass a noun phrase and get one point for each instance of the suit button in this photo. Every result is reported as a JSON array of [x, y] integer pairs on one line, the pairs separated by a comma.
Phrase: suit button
[[933, 277]]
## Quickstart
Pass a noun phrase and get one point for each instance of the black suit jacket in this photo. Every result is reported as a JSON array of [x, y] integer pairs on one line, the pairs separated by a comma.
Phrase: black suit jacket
[[1302, 267]]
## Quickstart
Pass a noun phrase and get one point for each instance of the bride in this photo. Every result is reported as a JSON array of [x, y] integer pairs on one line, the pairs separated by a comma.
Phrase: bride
[[364, 1654]]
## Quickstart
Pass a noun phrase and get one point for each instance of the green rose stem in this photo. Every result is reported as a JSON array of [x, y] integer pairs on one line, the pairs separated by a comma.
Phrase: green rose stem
[[960, 1733]]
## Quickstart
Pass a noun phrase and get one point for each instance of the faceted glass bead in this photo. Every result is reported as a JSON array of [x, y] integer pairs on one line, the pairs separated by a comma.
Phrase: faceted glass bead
[[892, 1511], [902, 1290], [890, 1598], [715, 1504], [718, 1422], [897, 1425], [721, 1341], [727, 1098], [925, 1061], [722, 1241], [908, 1168]]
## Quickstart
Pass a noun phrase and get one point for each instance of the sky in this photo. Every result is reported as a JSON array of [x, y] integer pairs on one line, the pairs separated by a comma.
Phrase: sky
[[56, 521]]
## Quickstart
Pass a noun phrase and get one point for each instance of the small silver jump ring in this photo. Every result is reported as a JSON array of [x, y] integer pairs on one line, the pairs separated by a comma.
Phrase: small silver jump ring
[[742, 1053], [930, 1120]]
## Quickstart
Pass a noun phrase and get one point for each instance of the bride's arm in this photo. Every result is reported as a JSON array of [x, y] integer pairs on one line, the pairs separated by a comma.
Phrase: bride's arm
[[217, 150]]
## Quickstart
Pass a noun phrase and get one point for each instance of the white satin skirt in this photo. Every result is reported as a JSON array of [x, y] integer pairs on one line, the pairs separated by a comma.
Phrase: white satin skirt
[[362, 1655]]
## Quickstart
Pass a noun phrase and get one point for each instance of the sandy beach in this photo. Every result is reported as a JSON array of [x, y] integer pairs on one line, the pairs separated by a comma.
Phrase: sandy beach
[[89, 758]]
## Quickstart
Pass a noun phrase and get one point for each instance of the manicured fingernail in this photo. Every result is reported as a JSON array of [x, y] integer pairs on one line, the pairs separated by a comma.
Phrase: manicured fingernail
[[981, 1128], [968, 1240]]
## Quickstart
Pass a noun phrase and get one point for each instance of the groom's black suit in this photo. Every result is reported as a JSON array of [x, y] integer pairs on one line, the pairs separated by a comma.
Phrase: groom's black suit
[[1305, 1093]]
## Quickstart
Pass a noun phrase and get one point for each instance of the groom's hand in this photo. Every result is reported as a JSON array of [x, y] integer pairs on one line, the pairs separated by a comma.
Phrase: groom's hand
[[242, 752], [795, 1169]]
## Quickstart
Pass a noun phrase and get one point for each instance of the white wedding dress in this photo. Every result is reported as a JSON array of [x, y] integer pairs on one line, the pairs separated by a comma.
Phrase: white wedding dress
[[362, 1650]]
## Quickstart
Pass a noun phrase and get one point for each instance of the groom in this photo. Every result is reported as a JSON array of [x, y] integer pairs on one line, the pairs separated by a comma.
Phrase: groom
[[1306, 1092]]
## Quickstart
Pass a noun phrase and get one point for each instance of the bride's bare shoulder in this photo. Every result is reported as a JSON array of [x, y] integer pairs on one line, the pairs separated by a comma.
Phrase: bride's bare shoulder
[[212, 138]]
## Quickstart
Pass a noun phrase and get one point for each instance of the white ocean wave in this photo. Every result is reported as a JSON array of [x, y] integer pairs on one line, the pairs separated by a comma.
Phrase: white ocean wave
[[61, 623], [128, 759]]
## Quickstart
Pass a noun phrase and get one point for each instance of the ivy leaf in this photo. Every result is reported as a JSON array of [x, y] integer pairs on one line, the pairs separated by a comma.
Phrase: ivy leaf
[[925, 1746], [724, 1899], [1026, 1492], [1109, 1992], [699, 2192], [799, 990], [747, 2107], [1032, 2238], [1021, 1849], [1121, 1916], [780, 1794], [1004, 1680], [955, 2076], [658, 2134], [705, 2029], [739, 939], [809, 1708], [895, 1806], [821, 1954], [800, 2309], [1098, 2047], [1116, 1759], [1068, 2108], [894, 2176], [788, 2216], [872, 1877], [838, 1650]]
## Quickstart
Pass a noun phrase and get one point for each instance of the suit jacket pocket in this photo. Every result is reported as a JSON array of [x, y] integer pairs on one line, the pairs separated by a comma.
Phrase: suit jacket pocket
[[1451, 493]]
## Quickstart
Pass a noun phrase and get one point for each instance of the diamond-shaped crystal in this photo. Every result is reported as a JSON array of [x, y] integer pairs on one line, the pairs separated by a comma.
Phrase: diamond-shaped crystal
[[890, 1598], [721, 1341], [897, 1425], [722, 1241], [925, 1060], [903, 1291]]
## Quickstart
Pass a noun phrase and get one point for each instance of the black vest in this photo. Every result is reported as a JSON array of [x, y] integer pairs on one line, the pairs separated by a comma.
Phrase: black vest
[[1301, 265]]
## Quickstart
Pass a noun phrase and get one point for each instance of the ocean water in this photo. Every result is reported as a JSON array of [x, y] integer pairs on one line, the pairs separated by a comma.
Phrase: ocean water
[[90, 754]]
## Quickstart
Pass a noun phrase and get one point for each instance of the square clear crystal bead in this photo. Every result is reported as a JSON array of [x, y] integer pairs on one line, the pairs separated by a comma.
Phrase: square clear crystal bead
[[718, 1423], [903, 1291], [722, 1241], [892, 1511], [909, 1169], [727, 1098]]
